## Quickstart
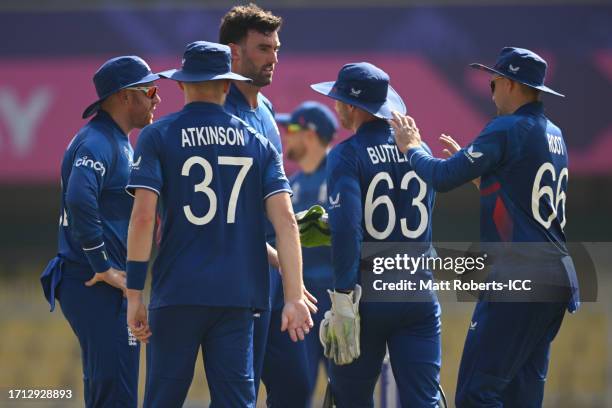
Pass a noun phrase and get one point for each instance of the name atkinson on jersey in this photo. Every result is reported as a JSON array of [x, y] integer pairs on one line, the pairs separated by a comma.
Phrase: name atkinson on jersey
[[207, 135]]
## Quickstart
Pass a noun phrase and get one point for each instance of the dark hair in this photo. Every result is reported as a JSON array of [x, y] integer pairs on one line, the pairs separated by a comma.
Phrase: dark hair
[[237, 22]]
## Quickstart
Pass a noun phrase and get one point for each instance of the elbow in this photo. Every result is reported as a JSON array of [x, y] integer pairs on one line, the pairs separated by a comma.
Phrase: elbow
[[141, 220], [290, 223], [75, 202], [287, 225]]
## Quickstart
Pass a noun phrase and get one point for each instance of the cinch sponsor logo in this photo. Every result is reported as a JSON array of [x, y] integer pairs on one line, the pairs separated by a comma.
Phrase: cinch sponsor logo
[[96, 165]]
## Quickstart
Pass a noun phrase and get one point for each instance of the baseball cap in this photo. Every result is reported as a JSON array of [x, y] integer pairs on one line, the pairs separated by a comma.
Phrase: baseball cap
[[116, 74], [520, 65], [311, 115], [204, 61], [366, 86]]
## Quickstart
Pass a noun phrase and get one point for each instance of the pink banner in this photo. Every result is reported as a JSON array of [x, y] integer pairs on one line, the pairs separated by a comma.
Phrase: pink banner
[[41, 102]]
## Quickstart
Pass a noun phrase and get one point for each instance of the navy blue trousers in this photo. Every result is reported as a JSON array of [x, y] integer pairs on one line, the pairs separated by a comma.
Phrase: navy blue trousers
[[290, 369], [506, 353], [225, 335], [411, 332], [109, 353]]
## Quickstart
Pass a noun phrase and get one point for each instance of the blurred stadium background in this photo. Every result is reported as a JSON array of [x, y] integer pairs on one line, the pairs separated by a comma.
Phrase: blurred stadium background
[[50, 49]]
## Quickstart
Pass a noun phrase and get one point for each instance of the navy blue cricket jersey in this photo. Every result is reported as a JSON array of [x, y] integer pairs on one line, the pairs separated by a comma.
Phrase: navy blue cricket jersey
[[213, 173], [522, 161], [310, 189], [261, 119], [374, 195], [95, 208]]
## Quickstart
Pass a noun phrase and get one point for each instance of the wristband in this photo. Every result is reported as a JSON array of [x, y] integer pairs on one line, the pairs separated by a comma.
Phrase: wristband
[[97, 257], [137, 274]]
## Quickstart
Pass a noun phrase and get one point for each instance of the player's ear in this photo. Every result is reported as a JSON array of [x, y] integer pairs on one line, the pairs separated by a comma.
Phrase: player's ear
[[235, 49], [226, 86], [123, 96], [312, 136]]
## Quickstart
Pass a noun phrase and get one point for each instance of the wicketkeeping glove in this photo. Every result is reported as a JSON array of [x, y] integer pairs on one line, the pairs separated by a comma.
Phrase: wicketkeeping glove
[[339, 330], [314, 229]]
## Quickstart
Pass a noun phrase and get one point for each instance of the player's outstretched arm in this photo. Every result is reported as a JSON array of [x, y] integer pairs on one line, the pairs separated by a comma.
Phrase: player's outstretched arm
[[296, 318], [140, 239], [451, 148]]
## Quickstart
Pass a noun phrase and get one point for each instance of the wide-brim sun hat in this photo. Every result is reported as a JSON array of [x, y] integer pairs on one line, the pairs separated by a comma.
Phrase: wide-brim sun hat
[[365, 86], [520, 65], [116, 74], [204, 61]]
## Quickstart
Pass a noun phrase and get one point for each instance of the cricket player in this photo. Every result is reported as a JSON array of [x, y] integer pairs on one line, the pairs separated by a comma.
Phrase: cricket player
[[309, 129], [87, 276], [375, 195], [216, 177], [521, 160], [252, 35]]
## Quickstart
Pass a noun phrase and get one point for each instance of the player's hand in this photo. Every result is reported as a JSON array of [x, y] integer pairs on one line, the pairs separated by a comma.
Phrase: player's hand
[[296, 319], [113, 277], [273, 257], [453, 147], [340, 329], [406, 132], [310, 300], [137, 316]]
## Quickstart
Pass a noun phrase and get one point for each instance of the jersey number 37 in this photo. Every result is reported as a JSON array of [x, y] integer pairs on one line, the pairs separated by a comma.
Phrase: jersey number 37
[[203, 187]]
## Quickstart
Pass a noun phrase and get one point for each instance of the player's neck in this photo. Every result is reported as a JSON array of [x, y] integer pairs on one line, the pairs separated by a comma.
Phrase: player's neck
[[517, 103], [120, 119], [249, 91], [360, 119], [311, 161], [216, 99]]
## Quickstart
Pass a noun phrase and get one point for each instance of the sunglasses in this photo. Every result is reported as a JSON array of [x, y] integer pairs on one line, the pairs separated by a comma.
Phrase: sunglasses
[[150, 91], [492, 83], [293, 128]]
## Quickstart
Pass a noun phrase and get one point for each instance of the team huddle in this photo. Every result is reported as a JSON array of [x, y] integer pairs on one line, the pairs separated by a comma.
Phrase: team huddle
[[268, 296]]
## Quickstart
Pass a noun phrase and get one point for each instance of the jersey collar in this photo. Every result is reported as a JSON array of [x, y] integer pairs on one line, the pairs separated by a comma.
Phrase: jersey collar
[[374, 126], [535, 108], [207, 106], [236, 98]]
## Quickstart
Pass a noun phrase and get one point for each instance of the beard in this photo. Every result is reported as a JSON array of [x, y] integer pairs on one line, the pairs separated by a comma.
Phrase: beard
[[295, 154], [143, 120], [259, 76]]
